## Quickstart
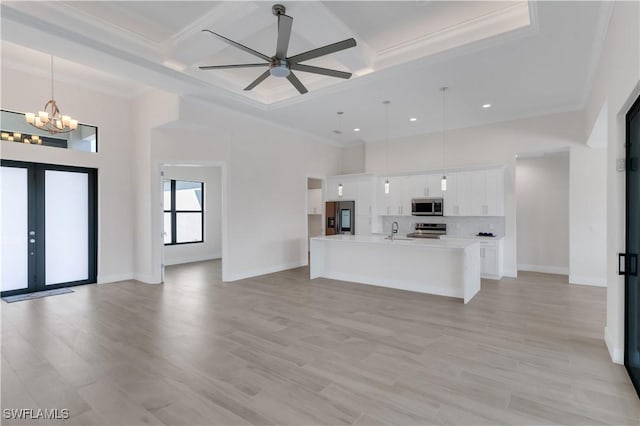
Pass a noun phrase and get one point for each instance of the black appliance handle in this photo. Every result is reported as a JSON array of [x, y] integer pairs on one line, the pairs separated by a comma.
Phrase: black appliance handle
[[623, 264]]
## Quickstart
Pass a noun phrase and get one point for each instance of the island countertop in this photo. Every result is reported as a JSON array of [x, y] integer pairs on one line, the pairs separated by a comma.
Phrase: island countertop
[[442, 267], [400, 241]]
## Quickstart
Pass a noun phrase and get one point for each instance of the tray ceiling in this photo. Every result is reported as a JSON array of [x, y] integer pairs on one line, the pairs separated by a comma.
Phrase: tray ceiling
[[524, 57]]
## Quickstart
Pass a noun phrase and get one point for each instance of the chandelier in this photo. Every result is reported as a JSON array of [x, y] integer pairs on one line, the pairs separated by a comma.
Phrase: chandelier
[[51, 119]]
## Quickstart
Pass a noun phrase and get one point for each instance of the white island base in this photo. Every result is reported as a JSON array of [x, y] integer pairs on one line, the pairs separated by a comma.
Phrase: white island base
[[442, 267]]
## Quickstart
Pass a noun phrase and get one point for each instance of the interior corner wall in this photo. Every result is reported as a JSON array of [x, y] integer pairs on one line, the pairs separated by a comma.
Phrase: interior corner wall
[[494, 144], [542, 209], [266, 182], [211, 247], [617, 84], [352, 159], [23, 91], [150, 110]]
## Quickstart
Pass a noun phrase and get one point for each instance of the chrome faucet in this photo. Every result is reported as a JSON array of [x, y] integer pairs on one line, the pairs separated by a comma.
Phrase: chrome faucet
[[394, 229]]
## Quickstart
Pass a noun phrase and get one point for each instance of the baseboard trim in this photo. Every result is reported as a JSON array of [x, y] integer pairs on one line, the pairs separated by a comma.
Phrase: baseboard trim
[[263, 271], [104, 279], [615, 352], [547, 269], [190, 259], [511, 273], [590, 281], [147, 279]]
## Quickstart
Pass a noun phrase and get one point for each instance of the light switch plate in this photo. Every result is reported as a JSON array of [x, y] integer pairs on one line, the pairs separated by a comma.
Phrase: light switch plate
[[620, 164]]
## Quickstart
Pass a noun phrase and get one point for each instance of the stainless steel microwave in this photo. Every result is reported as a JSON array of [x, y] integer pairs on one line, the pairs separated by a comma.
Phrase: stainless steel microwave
[[426, 207]]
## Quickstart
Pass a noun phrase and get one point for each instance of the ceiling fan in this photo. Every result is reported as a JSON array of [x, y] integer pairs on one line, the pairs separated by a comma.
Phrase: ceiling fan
[[281, 65]]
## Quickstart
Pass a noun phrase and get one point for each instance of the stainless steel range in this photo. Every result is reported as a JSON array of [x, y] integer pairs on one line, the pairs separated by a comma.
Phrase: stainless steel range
[[429, 230]]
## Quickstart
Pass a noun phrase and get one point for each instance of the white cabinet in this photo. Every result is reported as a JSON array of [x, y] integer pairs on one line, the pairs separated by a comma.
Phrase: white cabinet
[[398, 201], [487, 193], [314, 201], [450, 196], [491, 266], [494, 196], [457, 196], [425, 186], [434, 186], [358, 188], [349, 188], [475, 193]]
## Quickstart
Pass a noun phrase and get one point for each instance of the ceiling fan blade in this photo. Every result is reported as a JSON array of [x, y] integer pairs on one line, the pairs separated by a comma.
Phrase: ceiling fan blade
[[258, 80], [296, 83], [284, 34], [221, 67], [241, 46], [318, 70], [324, 50]]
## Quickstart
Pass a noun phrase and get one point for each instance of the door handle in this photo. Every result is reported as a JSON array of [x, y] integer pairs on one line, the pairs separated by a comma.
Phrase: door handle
[[633, 264], [622, 266]]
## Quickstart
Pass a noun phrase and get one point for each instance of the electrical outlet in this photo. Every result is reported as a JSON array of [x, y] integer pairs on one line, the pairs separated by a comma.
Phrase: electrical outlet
[[620, 164]]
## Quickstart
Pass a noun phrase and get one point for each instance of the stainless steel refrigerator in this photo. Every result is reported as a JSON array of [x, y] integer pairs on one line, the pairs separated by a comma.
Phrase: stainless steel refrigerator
[[341, 216]]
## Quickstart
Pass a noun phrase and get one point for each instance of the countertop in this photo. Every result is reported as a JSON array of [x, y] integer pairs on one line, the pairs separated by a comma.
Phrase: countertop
[[470, 237], [453, 243]]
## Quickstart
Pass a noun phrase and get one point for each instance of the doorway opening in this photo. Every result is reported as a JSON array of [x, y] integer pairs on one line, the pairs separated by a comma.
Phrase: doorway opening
[[315, 210], [192, 213], [542, 211]]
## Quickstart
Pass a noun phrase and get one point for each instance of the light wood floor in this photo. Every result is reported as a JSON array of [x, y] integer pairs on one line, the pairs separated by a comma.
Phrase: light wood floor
[[280, 349]]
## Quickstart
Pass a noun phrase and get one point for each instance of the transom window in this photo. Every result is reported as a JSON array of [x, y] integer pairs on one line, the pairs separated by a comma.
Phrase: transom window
[[183, 212]]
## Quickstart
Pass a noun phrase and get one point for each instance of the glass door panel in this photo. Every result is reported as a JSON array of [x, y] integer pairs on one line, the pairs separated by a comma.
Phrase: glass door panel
[[66, 226], [632, 249], [14, 183], [48, 223]]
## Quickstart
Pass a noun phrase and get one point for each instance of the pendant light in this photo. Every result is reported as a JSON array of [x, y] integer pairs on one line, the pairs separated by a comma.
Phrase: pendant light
[[387, 188], [443, 181], [50, 119], [338, 131]]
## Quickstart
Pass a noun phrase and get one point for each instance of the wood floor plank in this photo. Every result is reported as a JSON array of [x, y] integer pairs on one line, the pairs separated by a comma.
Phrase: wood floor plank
[[281, 349]]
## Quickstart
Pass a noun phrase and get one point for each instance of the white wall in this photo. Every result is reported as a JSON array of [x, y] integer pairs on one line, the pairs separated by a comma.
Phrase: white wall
[[265, 185], [23, 92], [616, 85], [495, 144], [152, 109], [352, 159], [588, 213], [542, 209], [211, 248]]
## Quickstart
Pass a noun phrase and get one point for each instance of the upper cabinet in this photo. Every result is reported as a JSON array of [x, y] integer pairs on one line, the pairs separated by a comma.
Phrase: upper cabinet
[[425, 186], [358, 188], [469, 193], [475, 193], [398, 201]]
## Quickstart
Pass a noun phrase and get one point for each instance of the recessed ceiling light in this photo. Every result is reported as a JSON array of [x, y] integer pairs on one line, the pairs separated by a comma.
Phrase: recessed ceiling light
[[413, 119], [486, 106], [356, 129]]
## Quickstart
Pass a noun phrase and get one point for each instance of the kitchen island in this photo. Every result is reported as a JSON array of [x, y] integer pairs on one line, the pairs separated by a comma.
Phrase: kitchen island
[[442, 267]]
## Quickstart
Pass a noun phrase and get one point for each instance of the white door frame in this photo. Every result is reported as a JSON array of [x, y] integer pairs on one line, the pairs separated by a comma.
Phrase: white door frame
[[158, 216]]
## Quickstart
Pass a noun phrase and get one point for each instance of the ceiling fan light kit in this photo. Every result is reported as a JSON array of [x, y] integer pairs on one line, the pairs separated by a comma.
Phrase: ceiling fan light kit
[[280, 65]]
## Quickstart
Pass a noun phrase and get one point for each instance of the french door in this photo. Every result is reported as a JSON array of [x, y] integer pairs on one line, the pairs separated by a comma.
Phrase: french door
[[48, 226], [632, 247]]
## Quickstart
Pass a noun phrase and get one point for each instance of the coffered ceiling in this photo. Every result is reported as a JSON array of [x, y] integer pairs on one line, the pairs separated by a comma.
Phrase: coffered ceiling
[[524, 58]]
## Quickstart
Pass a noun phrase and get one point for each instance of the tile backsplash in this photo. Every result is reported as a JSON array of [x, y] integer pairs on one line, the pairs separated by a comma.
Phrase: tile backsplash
[[456, 226]]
